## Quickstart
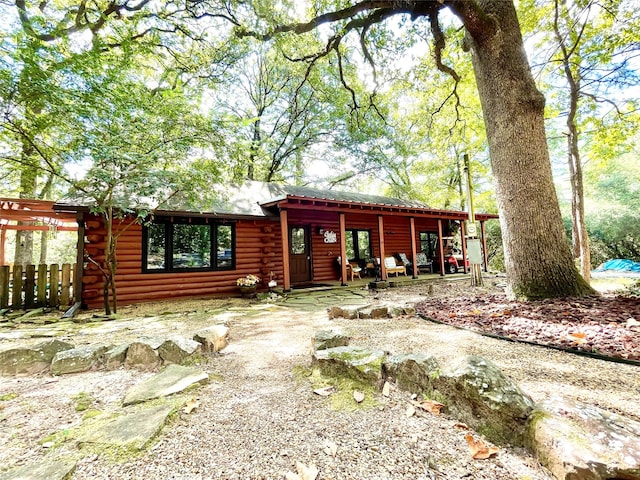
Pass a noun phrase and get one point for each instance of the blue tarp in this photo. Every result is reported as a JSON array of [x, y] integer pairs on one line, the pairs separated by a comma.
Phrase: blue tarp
[[620, 265]]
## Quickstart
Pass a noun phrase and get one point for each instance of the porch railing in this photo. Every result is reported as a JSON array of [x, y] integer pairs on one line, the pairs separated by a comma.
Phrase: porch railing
[[36, 286]]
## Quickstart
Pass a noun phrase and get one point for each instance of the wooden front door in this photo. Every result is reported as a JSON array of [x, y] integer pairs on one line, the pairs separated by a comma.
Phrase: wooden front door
[[299, 254]]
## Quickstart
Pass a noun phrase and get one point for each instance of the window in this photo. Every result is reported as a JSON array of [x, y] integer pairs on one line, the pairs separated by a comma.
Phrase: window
[[358, 243], [187, 244], [428, 241]]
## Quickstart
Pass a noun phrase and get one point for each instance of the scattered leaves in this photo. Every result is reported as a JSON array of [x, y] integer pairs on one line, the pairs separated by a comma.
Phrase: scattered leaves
[[479, 450], [304, 472], [191, 405], [324, 391], [461, 425], [358, 396]]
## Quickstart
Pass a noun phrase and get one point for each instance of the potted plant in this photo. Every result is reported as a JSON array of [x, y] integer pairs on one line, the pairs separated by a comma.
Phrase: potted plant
[[248, 284]]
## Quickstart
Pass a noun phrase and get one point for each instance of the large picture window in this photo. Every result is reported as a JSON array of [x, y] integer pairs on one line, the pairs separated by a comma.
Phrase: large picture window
[[358, 243], [184, 244]]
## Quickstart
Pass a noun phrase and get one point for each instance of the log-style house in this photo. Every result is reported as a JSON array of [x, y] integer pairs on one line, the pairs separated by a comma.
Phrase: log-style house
[[293, 236]]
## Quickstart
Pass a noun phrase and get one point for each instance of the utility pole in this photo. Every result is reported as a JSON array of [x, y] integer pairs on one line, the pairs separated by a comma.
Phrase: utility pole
[[473, 242]]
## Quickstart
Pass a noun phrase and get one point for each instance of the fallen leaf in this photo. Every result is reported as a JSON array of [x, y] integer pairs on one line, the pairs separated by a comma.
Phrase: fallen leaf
[[507, 312], [577, 338], [386, 389], [330, 448], [411, 411], [452, 315], [191, 405], [324, 391], [432, 406], [479, 450], [461, 425]]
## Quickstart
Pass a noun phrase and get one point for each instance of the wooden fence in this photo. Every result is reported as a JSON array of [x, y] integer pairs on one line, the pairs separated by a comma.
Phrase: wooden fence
[[36, 286]]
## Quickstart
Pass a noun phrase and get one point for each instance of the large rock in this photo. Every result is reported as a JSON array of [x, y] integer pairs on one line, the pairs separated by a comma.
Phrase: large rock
[[324, 339], [213, 339], [374, 312], [354, 362], [116, 356], [479, 394], [41, 470], [143, 354], [30, 360], [583, 442], [414, 372], [133, 430], [177, 349], [78, 359], [173, 379]]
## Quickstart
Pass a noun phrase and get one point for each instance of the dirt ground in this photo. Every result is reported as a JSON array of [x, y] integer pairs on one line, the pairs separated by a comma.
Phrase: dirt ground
[[259, 414]]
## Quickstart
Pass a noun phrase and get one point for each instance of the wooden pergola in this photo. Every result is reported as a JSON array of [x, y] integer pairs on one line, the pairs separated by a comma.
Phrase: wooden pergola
[[31, 215]]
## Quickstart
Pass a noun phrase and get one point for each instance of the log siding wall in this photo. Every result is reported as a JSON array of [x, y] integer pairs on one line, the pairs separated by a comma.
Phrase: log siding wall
[[258, 250]]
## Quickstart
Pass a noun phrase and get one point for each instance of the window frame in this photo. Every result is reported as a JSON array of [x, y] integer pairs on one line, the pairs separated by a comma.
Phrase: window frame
[[353, 233], [169, 230]]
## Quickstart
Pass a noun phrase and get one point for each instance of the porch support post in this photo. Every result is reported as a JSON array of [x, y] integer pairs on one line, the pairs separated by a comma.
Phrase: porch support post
[[440, 247], [3, 241], [412, 229], [284, 233], [484, 246], [383, 270], [463, 235], [79, 267], [343, 251]]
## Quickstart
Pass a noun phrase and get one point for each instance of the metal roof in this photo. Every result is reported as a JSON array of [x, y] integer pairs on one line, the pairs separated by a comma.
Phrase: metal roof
[[262, 199]]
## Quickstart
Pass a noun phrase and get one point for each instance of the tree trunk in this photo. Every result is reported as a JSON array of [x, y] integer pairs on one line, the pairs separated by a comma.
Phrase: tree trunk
[[28, 177], [580, 238], [538, 259]]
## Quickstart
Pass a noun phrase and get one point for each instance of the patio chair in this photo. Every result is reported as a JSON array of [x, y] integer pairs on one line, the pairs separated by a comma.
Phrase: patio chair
[[402, 257], [423, 263], [353, 269], [392, 267]]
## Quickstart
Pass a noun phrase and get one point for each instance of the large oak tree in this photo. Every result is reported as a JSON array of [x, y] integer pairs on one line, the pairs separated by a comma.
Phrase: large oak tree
[[538, 258]]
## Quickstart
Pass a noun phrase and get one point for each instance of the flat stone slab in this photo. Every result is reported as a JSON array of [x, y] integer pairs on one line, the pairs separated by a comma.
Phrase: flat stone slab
[[43, 470], [579, 441], [173, 379], [134, 430]]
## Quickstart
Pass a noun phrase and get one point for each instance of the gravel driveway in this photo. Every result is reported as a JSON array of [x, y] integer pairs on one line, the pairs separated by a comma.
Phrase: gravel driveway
[[259, 415]]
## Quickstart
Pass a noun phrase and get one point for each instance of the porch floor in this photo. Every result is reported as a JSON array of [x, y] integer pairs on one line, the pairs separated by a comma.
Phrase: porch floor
[[393, 280]]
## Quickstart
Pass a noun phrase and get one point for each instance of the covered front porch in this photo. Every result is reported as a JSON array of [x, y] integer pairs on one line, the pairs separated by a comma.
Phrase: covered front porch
[[326, 240]]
